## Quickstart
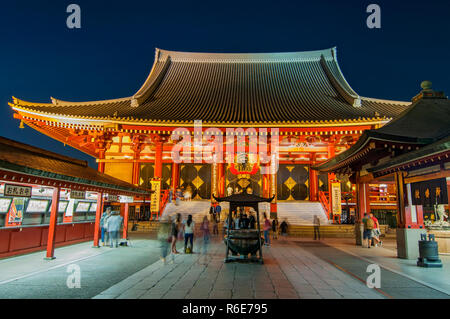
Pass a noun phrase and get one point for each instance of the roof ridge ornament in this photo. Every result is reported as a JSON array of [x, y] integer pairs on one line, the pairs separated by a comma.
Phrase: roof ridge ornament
[[428, 93]]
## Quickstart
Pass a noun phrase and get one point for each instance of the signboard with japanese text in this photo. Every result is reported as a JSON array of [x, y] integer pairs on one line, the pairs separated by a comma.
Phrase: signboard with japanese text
[[112, 198], [336, 207], [18, 190], [156, 195], [77, 194], [429, 193], [126, 199]]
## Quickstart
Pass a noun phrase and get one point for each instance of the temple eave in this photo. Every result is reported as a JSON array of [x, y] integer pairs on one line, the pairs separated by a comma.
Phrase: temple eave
[[101, 121]]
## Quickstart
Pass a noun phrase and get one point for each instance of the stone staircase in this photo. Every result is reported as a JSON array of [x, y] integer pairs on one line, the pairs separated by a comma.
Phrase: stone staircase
[[301, 212], [197, 208], [299, 216]]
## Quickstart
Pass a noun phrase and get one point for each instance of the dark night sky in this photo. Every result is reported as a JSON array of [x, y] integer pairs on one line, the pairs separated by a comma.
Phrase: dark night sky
[[111, 55]]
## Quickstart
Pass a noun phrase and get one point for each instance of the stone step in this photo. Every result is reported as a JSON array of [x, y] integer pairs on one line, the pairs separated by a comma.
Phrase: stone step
[[328, 231]]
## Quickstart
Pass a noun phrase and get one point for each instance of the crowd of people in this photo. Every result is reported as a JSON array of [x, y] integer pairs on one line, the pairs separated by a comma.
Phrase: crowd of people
[[180, 194], [110, 225], [172, 231], [177, 229], [247, 220]]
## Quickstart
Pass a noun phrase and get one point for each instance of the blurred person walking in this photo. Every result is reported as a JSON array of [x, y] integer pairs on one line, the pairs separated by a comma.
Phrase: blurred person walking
[[176, 227], [218, 210], [114, 223], [103, 229], [316, 222], [267, 228], [252, 221], [368, 227], [215, 225], [204, 227], [376, 232], [275, 228], [165, 237], [284, 228]]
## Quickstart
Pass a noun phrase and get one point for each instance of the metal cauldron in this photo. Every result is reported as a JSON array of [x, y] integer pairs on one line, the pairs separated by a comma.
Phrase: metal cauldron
[[243, 241], [428, 252]]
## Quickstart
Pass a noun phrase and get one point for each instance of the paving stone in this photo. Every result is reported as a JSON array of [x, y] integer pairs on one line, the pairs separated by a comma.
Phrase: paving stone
[[176, 294], [290, 272], [329, 294], [220, 294], [286, 293], [265, 294], [104, 296], [132, 294], [151, 296]]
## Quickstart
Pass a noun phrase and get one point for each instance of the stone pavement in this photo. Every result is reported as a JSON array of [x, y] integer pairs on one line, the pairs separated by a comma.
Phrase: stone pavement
[[386, 257], [293, 268], [30, 276], [289, 271]]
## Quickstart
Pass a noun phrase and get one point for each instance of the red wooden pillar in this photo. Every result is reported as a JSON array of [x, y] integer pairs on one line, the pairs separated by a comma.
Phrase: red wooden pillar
[[313, 180], [273, 192], [125, 221], [136, 169], [331, 176], [158, 159], [98, 215], [52, 226], [175, 177], [101, 165], [266, 181], [362, 207], [362, 200], [221, 179]]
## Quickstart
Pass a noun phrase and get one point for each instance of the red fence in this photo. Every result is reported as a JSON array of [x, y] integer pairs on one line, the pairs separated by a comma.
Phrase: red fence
[[19, 240]]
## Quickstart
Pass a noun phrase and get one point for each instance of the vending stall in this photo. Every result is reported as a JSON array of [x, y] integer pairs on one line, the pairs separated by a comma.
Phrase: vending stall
[[49, 200]]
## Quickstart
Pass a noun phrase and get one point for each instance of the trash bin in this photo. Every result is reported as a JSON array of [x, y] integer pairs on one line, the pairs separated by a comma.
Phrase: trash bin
[[428, 252]]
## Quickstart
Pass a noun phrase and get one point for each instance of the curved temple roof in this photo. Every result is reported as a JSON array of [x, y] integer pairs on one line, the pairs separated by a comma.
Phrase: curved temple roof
[[234, 88]]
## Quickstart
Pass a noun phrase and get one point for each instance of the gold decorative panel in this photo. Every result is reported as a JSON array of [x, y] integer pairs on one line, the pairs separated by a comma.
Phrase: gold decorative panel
[[292, 182], [122, 171]]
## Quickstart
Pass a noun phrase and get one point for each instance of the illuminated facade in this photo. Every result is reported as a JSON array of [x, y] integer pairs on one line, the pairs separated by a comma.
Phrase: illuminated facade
[[303, 95]]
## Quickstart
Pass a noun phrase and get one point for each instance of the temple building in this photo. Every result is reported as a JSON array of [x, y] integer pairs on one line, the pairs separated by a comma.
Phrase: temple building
[[413, 151], [304, 95]]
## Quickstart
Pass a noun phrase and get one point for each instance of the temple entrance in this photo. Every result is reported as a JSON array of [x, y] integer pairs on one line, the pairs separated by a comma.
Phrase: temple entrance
[[147, 171], [241, 181], [196, 177], [293, 182]]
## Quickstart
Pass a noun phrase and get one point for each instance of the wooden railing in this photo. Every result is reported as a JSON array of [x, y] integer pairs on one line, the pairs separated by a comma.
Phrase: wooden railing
[[164, 199], [375, 198], [323, 199]]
